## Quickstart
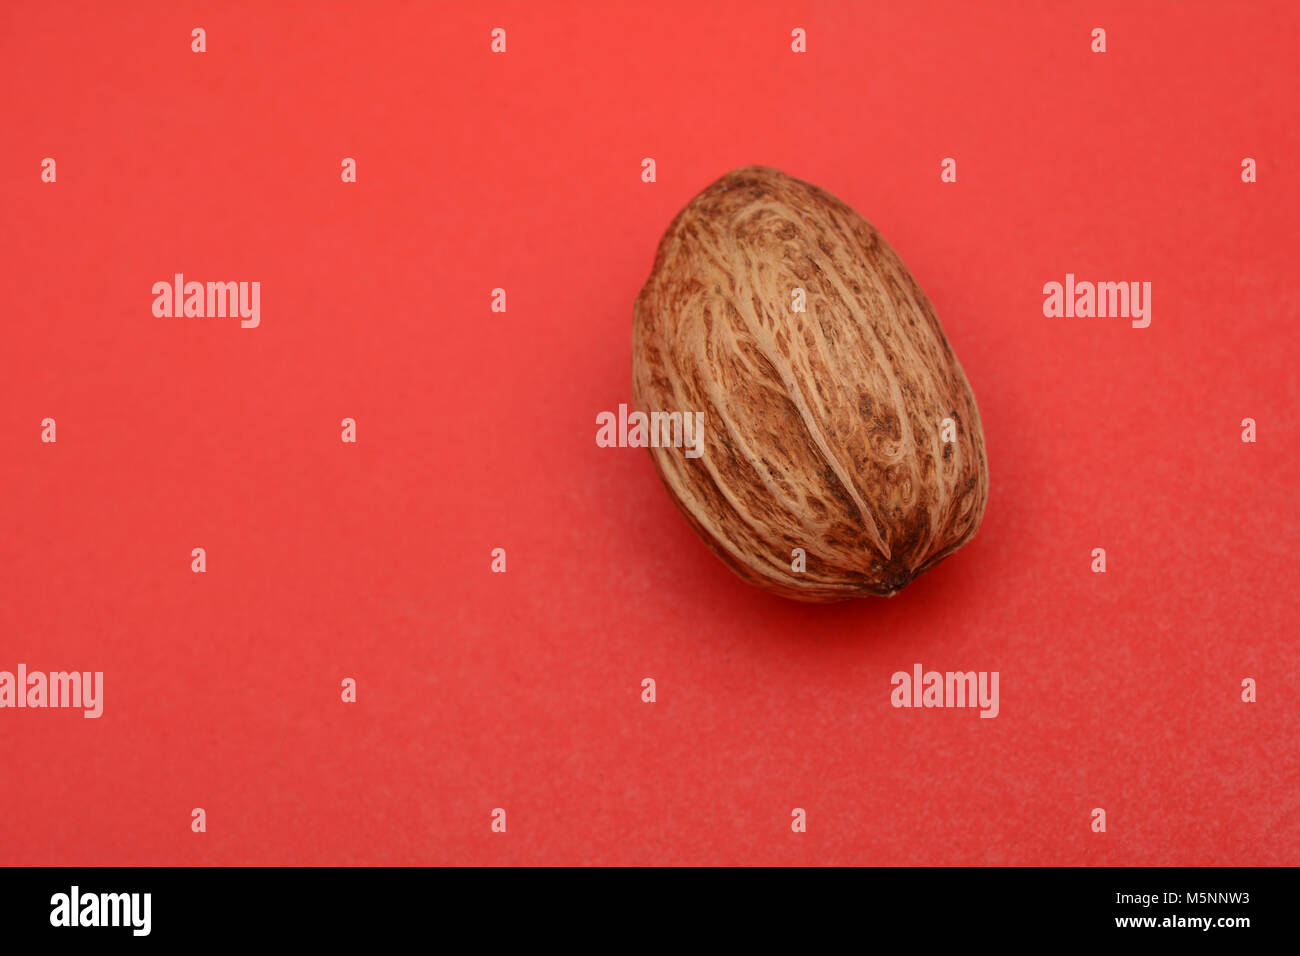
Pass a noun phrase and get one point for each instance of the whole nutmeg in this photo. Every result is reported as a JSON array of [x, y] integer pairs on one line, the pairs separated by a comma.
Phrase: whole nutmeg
[[842, 453]]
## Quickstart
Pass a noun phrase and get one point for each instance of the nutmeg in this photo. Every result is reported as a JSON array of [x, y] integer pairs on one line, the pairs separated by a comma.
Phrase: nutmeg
[[837, 422]]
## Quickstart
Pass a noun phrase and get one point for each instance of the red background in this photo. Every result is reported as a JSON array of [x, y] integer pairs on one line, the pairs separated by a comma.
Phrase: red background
[[476, 430]]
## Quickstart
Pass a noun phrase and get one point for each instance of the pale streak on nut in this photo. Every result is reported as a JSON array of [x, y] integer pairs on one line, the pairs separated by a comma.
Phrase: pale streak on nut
[[821, 428]]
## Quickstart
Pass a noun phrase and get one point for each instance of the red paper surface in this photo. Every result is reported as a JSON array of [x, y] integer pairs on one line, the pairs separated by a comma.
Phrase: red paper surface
[[476, 430]]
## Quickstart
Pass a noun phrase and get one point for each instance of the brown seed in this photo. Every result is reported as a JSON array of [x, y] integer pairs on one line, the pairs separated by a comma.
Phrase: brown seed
[[823, 429]]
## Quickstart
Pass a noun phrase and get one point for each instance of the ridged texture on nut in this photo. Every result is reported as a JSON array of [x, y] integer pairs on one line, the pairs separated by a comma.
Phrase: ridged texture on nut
[[822, 429]]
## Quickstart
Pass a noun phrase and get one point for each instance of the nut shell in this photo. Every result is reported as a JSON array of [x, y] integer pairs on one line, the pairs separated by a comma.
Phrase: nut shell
[[822, 428]]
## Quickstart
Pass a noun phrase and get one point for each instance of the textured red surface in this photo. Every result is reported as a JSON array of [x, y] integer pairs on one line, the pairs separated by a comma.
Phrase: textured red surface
[[476, 430]]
